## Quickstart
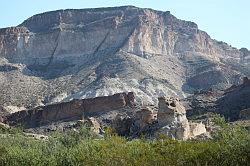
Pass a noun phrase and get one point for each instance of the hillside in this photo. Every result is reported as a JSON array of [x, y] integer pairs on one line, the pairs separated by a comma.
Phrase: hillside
[[81, 53]]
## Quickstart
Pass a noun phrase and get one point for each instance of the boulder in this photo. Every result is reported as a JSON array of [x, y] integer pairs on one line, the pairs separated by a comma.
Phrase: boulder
[[197, 129], [4, 126], [172, 118], [144, 117], [93, 124]]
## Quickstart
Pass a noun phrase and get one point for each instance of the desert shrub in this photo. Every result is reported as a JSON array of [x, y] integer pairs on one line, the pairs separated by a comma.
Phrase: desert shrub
[[10, 130], [230, 146]]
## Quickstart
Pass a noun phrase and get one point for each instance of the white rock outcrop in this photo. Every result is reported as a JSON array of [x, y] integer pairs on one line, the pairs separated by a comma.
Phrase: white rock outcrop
[[196, 129], [172, 119]]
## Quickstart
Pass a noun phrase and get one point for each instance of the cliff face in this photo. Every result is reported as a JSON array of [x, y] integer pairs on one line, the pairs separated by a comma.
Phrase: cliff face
[[233, 103], [65, 54], [73, 110]]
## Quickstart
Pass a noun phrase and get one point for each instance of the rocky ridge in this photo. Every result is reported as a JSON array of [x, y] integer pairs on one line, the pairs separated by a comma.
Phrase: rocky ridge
[[169, 119], [232, 103], [69, 111]]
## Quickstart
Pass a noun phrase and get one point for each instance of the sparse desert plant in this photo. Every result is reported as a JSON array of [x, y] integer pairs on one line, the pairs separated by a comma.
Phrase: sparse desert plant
[[230, 146]]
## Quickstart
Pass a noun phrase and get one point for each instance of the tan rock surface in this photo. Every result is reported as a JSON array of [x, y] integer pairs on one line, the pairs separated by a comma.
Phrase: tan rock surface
[[73, 110], [145, 117], [93, 124], [170, 110], [172, 119], [197, 129], [87, 53]]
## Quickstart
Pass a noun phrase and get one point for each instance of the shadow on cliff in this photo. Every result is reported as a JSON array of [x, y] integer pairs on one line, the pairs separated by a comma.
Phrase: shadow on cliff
[[105, 62]]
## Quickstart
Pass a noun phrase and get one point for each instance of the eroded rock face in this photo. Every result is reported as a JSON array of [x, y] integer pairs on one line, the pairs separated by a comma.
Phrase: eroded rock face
[[173, 121], [234, 100], [87, 53], [106, 103], [229, 102], [72, 110], [145, 117], [170, 110]]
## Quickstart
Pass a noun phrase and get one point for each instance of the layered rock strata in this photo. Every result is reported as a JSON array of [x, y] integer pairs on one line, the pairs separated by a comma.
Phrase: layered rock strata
[[72, 110], [74, 54]]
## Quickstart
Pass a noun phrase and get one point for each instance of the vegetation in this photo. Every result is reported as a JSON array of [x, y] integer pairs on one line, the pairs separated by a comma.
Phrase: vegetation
[[230, 146]]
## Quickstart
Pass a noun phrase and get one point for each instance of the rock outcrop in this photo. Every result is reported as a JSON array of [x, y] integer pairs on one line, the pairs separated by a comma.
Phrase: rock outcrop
[[72, 110], [246, 81], [145, 117], [197, 129], [245, 114], [123, 125], [173, 122], [94, 125], [229, 102], [85, 53], [170, 110], [234, 100]]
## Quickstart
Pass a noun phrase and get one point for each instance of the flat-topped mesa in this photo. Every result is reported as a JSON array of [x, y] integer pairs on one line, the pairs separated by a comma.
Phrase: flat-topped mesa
[[120, 27], [73, 110], [82, 17], [71, 32], [133, 47]]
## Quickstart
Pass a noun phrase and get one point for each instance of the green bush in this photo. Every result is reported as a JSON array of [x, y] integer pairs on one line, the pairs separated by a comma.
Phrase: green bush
[[230, 146]]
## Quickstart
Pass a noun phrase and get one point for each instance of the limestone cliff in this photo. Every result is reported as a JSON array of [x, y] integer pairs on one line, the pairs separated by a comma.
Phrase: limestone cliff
[[81, 53]]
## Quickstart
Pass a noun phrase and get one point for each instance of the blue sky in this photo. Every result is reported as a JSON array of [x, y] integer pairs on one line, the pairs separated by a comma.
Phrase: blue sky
[[224, 20]]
